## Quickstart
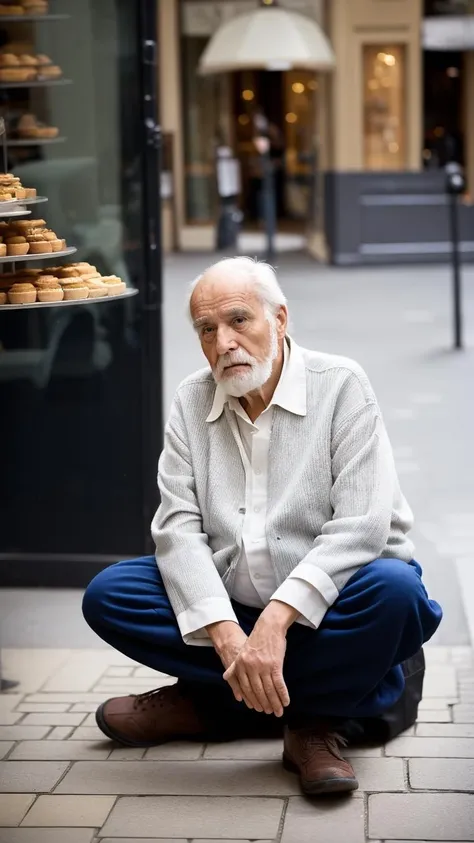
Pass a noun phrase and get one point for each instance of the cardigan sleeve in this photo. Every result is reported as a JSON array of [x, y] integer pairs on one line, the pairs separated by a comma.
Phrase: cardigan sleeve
[[195, 589]]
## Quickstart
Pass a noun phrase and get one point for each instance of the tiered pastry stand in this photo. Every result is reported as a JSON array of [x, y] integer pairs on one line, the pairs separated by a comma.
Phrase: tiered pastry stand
[[18, 208]]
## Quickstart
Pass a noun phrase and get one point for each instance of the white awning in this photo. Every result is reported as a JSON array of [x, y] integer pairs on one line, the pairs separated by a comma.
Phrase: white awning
[[268, 39], [448, 32]]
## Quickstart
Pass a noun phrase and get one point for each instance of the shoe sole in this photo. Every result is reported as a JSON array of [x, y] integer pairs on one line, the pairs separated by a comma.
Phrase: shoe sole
[[322, 786], [124, 741]]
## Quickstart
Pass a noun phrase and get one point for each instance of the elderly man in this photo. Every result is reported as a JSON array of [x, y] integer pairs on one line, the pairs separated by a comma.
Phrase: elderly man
[[284, 584]]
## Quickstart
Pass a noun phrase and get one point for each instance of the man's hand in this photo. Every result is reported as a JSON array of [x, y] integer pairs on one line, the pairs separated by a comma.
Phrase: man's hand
[[256, 674], [228, 639]]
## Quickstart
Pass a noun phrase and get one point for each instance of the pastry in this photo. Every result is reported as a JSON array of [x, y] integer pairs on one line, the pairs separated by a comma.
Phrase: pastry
[[30, 192], [38, 244], [68, 272], [97, 288], [49, 71], [75, 290], [12, 10], [3, 298], [17, 74], [48, 289], [115, 285], [9, 60], [17, 246], [22, 294], [28, 61], [3, 250], [6, 197]]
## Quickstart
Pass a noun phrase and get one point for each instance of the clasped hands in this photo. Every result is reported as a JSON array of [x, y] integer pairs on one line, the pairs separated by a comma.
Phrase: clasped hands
[[254, 664]]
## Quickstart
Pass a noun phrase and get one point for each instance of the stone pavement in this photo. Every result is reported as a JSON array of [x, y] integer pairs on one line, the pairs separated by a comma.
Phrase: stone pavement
[[62, 782]]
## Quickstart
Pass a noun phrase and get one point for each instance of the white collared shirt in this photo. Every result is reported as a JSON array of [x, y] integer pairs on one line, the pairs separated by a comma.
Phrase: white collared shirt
[[255, 582]]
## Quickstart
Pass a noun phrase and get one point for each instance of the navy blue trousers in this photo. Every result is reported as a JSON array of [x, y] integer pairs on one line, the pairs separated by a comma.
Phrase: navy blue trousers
[[349, 667]]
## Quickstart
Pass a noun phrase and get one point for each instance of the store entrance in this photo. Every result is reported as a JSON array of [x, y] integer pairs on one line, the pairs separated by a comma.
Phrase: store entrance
[[288, 102]]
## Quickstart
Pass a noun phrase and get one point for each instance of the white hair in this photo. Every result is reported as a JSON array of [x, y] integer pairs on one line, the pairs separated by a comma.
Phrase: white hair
[[261, 274]]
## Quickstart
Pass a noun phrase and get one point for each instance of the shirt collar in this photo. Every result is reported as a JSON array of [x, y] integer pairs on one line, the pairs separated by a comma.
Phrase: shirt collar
[[290, 393]]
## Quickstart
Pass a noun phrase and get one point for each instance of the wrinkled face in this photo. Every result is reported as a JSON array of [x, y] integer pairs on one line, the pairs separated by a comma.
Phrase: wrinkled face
[[240, 341]]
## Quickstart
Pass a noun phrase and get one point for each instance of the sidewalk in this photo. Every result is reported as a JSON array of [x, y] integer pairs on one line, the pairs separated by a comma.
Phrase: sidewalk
[[61, 782]]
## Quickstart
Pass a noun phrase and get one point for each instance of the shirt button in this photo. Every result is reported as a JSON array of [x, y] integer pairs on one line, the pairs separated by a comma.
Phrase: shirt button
[[258, 472], [257, 576]]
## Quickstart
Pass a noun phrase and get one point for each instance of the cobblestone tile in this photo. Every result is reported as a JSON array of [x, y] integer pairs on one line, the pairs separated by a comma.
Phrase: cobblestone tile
[[127, 753], [324, 820], [13, 807], [86, 811], [161, 840], [174, 752], [416, 816], [90, 719], [23, 733], [66, 697], [60, 751], [9, 701], [39, 708], [463, 713], [176, 816], [439, 716], [53, 719], [59, 733], [5, 747], [211, 778], [442, 774], [440, 681], [47, 835], [433, 704], [88, 733], [148, 673], [445, 730], [272, 750], [84, 706], [130, 688], [437, 655], [431, 747], [8, 718], [30, 776], [377, 774], [119, 671]]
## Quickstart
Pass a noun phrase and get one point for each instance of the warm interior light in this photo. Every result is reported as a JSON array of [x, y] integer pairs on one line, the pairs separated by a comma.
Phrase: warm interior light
[[452, 72], [297, 87], [373, 84], [248, 95], [393, 146], [438, 132], [313, 85], [244, 119], [381, 56], [389, 60], [291, 117]]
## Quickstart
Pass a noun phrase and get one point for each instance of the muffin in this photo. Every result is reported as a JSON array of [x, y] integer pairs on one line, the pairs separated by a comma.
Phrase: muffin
[[3, 250], [3, 297], [9, 60], [28, 61], [49, 289], [38, 244], [22, 294], [115, 285], [68, 272], [75, 290], [17, 74], [17, 246], [57, 245], [30, 192], [49, 71]]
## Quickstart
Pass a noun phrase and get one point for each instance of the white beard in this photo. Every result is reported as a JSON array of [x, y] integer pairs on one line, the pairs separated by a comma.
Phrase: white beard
[[252, 378]]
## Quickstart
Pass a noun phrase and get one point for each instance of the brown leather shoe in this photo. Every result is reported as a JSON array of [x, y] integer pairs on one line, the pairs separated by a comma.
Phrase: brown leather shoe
[[165, 714], [315, 755]]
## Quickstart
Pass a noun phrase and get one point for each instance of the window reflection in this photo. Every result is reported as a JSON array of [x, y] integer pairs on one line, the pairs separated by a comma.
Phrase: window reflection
[[384, 107]]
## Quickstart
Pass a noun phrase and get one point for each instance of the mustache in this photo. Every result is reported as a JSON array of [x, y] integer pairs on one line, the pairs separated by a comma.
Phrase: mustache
[[232, 359]]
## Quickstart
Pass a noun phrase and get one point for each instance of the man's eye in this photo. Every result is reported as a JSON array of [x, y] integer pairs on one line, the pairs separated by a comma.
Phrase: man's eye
[[239, 320]]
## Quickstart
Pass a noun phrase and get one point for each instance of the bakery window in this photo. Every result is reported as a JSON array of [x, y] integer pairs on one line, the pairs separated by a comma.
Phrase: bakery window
[[384, 98]]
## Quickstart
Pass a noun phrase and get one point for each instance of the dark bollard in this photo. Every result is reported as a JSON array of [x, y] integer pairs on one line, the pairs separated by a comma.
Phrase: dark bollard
[[455, 185]]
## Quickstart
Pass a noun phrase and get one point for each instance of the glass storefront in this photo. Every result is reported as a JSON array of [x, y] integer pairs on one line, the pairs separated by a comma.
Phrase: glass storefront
[[384, 107], [80, 386]]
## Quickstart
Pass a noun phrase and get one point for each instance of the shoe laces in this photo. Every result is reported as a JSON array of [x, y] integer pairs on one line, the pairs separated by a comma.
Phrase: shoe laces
[[331, 741], [153, 698]]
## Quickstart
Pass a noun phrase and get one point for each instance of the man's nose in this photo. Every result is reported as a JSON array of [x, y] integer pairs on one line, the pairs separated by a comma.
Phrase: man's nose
[[225, 340]]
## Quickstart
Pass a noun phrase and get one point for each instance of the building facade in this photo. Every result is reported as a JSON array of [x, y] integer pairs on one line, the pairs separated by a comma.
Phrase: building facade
[[358, 153]]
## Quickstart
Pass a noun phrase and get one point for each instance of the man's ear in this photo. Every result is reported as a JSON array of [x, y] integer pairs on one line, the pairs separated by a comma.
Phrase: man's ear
[[282, 321]]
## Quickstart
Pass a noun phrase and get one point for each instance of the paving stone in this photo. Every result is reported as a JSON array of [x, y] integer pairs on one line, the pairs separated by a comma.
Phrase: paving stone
[[65, 697], [179, 751], [87, 811], [463, 713], [119, 671], [84, 706], [59, 733], [440, 681], [9, 701], [176, 816], [60, 751], [8, 718], [148, 673], [13, 807], [30, 776], [90, 719], [445, 730], [38, 708], [442, 774], [205, 778], [377, 774], [88, 733], [47, 835], [433, 704], [419, 747], [127, 753], [54, 719], [324, 820], [23, 733], [417, 816], [143, 683], [443, 716], [130, 688], [271, 750], [437, 655], [5, 747], [161, 840]]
